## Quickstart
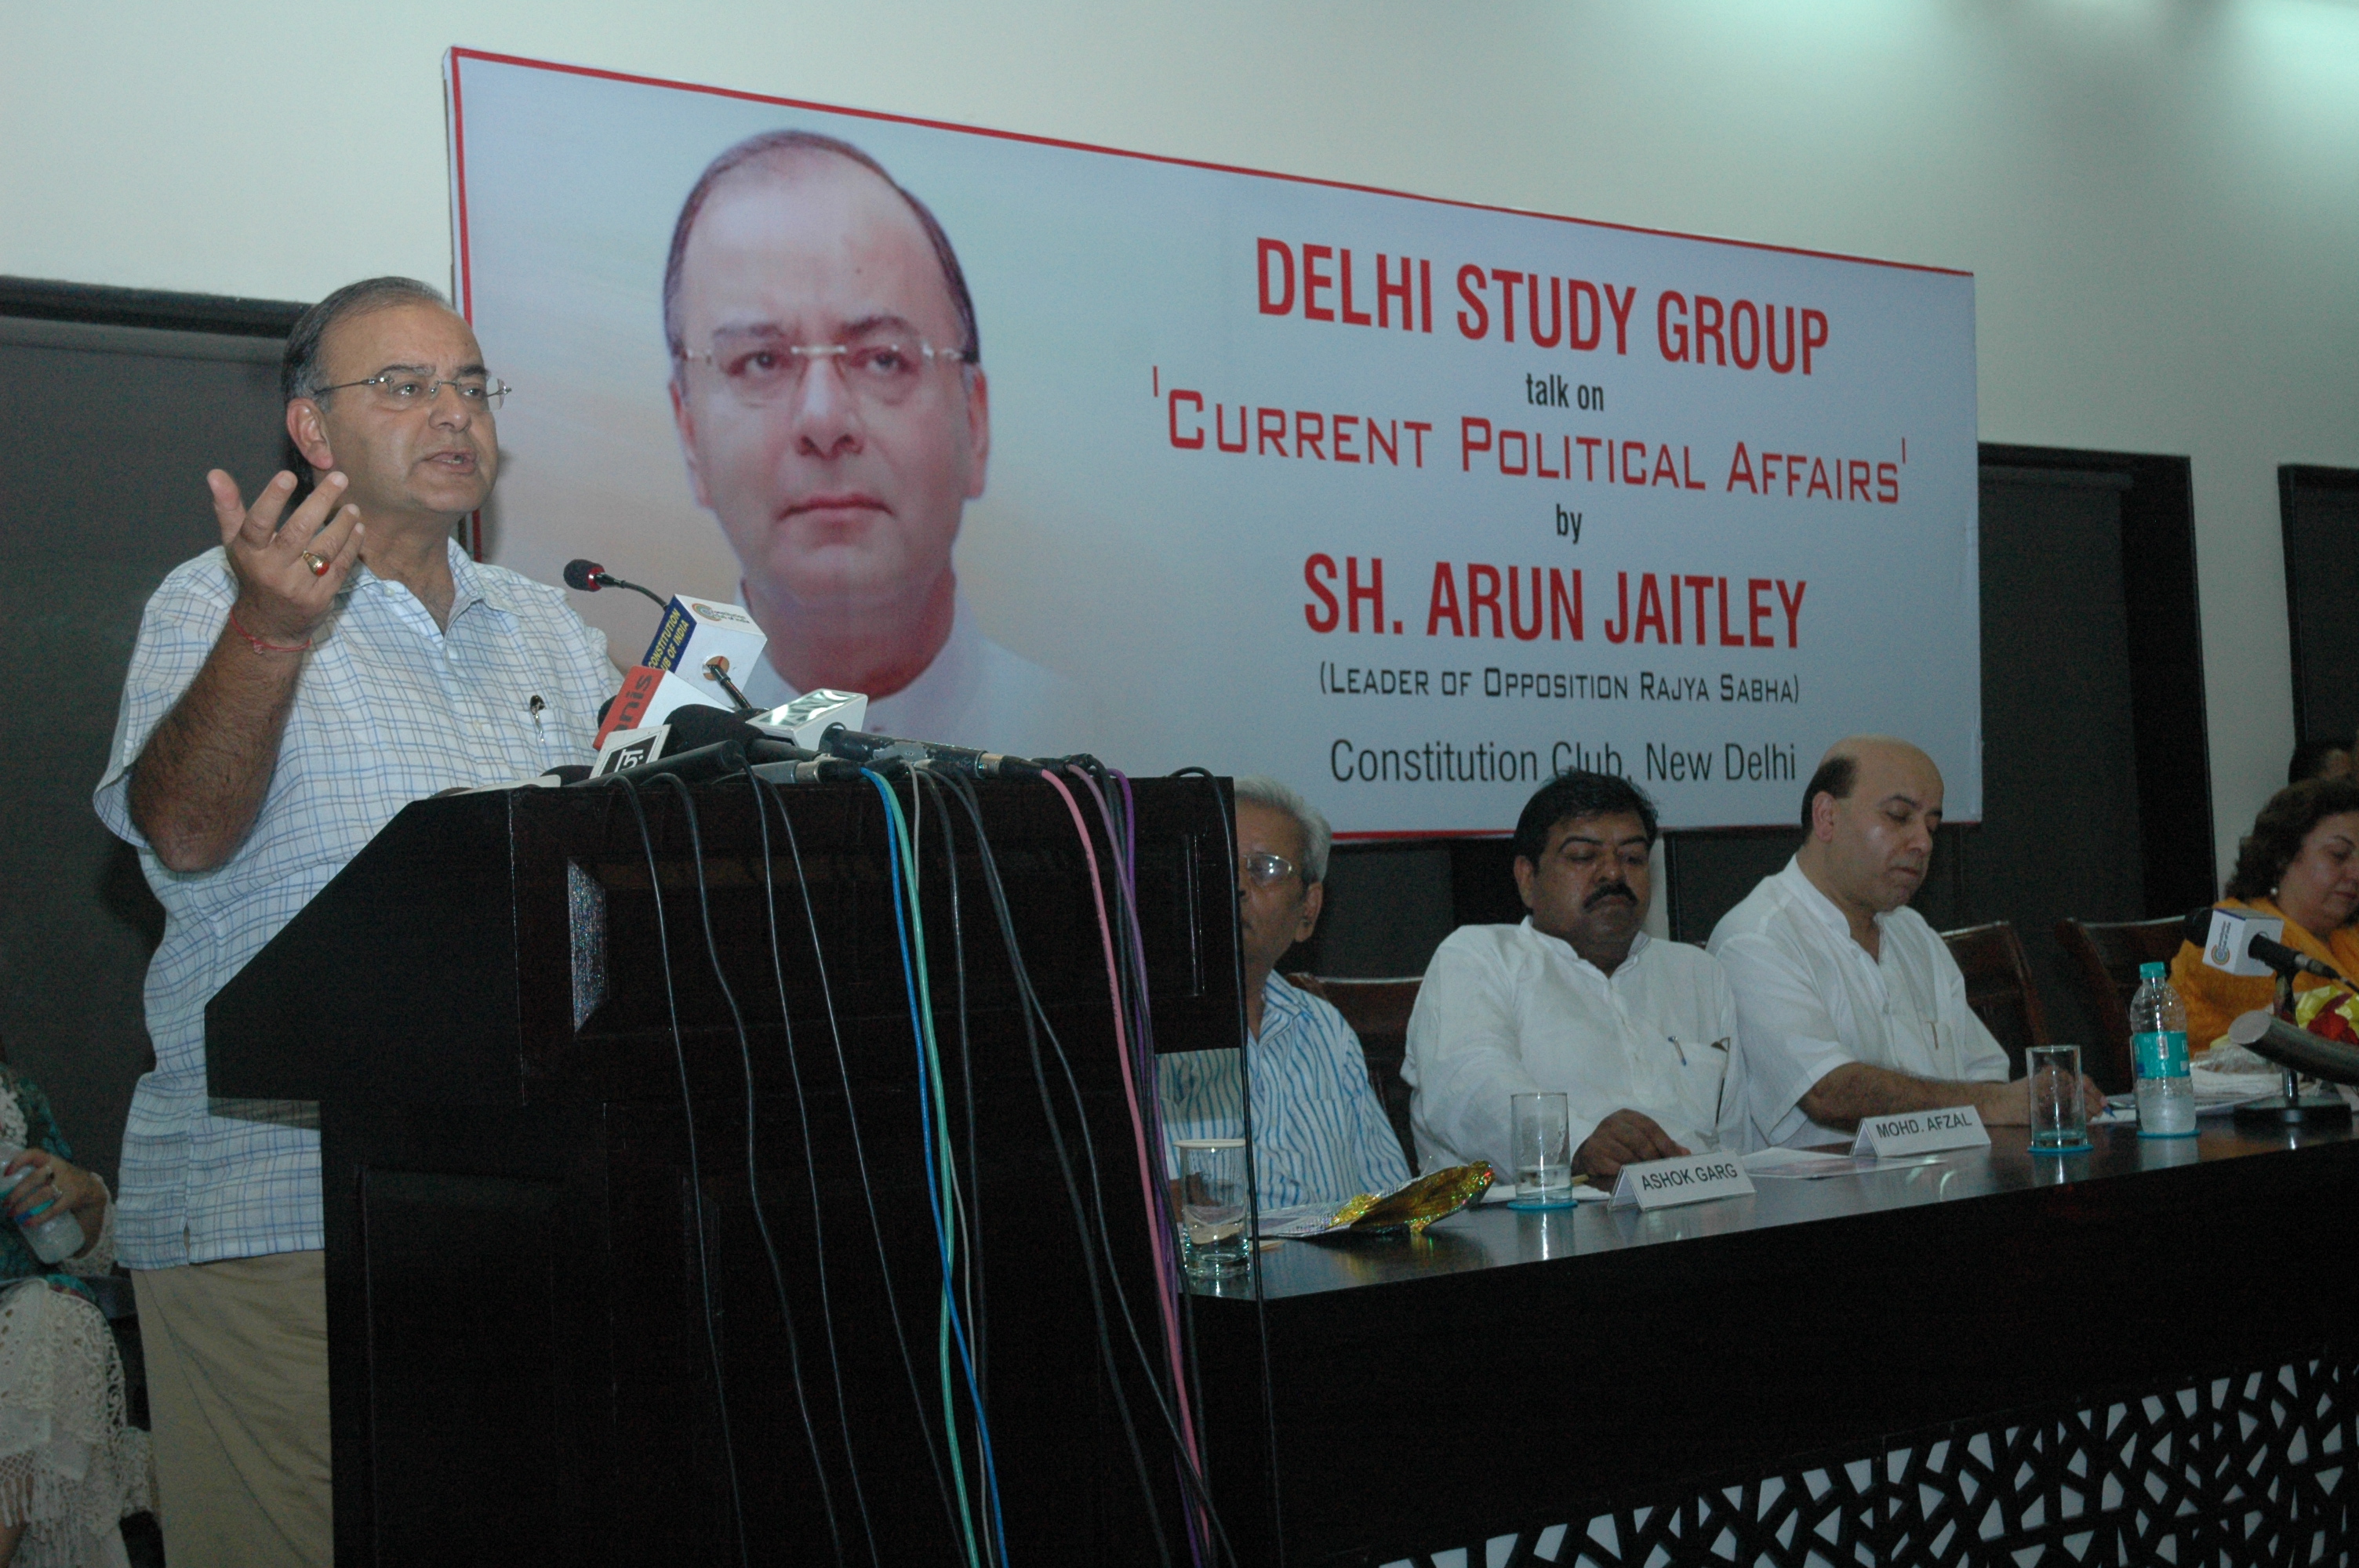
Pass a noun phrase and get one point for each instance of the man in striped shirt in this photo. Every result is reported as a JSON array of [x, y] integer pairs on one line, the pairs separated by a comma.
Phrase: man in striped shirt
[[1320, 1133], [333, 660]]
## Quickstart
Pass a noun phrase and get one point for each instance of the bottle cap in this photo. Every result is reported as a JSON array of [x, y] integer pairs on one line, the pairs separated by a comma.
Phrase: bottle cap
[[2153, 971]]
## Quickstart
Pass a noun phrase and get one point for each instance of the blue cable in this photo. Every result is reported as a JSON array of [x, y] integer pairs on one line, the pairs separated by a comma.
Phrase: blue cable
[[930, 1071], [895, 836]]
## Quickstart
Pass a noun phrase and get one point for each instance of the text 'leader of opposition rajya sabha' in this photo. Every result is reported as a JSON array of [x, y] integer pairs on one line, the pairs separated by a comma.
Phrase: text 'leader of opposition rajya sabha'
[[1638, 1033], [829, 390]]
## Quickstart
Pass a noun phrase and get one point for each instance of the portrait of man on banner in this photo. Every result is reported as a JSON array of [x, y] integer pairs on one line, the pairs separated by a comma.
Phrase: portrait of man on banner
[[827, 388]]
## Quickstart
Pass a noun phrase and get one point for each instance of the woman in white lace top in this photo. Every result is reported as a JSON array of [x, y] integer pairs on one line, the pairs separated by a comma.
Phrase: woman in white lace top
[[71, 1467]]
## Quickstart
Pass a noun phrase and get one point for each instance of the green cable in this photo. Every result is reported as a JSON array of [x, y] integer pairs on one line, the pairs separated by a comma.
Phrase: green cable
[[906, 837]]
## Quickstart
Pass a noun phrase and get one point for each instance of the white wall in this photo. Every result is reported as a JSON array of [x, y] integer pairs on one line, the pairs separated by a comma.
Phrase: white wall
[[2161, 200]]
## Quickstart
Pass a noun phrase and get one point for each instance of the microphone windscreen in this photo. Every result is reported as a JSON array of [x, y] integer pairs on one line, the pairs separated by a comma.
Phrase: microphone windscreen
[[2199, 925], [582, 574], [691, 766], [567, 773], [696, 724]]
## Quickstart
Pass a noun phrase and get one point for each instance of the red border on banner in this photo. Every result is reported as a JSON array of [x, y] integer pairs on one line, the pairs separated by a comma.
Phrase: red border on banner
[[459, 147], [466, 280], [459, 175]]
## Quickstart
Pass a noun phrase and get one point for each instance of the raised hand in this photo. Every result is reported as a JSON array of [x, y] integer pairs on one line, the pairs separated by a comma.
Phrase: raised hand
[[287, 572]]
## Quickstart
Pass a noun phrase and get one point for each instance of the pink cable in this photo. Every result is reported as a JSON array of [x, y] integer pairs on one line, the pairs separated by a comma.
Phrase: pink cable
[[1122, 852], [1165, 1301]]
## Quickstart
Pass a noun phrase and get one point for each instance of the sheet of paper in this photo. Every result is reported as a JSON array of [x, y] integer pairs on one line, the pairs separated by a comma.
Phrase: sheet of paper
[[1803, 1165], [1502, 1192], [2217, 1093], [1296, 1219]]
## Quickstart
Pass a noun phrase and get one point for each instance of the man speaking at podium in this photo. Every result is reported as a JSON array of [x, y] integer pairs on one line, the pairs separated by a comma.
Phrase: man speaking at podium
[[290, 691]]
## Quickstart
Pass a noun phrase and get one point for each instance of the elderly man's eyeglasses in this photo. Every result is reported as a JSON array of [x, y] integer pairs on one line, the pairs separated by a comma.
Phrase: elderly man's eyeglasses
[[758, 366], [399, 390], [1267, 870]]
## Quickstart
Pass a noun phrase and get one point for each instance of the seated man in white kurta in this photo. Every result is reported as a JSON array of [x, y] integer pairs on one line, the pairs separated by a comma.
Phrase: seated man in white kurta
[[1578, 1000], [1320, 1133], [1848, 1003]]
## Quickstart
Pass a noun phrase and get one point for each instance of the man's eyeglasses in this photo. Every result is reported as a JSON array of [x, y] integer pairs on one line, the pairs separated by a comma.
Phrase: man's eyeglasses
[[399, 390], [1267, 870], [757, 366]]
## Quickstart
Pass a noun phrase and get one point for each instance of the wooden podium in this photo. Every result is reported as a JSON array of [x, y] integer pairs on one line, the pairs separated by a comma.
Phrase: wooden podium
[[523, 1319]]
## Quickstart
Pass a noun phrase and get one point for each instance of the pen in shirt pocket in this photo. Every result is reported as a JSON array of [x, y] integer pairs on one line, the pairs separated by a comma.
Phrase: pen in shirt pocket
[[1720, 1045]]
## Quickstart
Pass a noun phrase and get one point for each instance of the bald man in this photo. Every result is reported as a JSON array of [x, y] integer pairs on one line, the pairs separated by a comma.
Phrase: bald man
[[1848, 1003], [827, 389]]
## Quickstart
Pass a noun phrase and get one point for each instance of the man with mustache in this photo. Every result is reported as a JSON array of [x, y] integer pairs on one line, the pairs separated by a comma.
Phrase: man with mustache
[[334, 658], [1848, 1003], [829, 392], [1578, 1000]]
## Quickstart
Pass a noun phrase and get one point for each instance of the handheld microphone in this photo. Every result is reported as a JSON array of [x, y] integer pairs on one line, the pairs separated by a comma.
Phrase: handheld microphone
[[782, 764], [693, 767], [701, 741], [856, 746], [700, 724], [2235, 940], [588, 576], [2313, 1055]]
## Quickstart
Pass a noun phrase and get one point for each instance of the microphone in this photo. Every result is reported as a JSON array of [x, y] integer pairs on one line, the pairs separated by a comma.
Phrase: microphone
[[588, 576], [856, 746], [716, 668], [2298, 1050], [776, 761], [2235, 941], [781, 763], [694, 766], [698, 724]]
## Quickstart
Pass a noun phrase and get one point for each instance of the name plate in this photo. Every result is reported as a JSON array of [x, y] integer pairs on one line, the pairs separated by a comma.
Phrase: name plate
[[1922, 1132], [1688, 1178]]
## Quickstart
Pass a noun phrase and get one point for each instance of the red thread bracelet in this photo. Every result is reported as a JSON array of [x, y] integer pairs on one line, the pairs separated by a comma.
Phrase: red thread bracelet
[[259, 646]]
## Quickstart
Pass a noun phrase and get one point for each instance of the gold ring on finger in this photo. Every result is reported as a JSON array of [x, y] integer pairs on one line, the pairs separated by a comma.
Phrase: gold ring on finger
[[319, 566]]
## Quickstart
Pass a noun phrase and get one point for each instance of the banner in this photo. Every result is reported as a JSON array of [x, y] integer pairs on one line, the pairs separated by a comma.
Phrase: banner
[[1407, 502]]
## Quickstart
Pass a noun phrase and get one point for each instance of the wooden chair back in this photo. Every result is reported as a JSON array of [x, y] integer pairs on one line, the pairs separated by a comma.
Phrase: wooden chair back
[[2105, 957], [1378, 1012], [1999, 986]]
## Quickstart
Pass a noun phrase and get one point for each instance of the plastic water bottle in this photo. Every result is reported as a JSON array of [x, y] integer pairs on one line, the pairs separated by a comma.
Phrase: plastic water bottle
[[55, 1234], [2165, 1094]]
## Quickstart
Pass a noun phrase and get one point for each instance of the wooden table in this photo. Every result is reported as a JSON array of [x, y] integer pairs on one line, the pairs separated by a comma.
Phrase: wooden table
[[2091, 1354]]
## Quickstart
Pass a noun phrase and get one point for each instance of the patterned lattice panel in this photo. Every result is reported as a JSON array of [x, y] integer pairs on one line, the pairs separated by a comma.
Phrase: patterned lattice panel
[[2250, 1468]]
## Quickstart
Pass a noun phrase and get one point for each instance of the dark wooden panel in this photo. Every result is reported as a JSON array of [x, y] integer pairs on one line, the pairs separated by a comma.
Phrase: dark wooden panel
[[1530, 1367], [105, 435], [2319, 513], [456, 1402], [723, 1308], [2059, 741]]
